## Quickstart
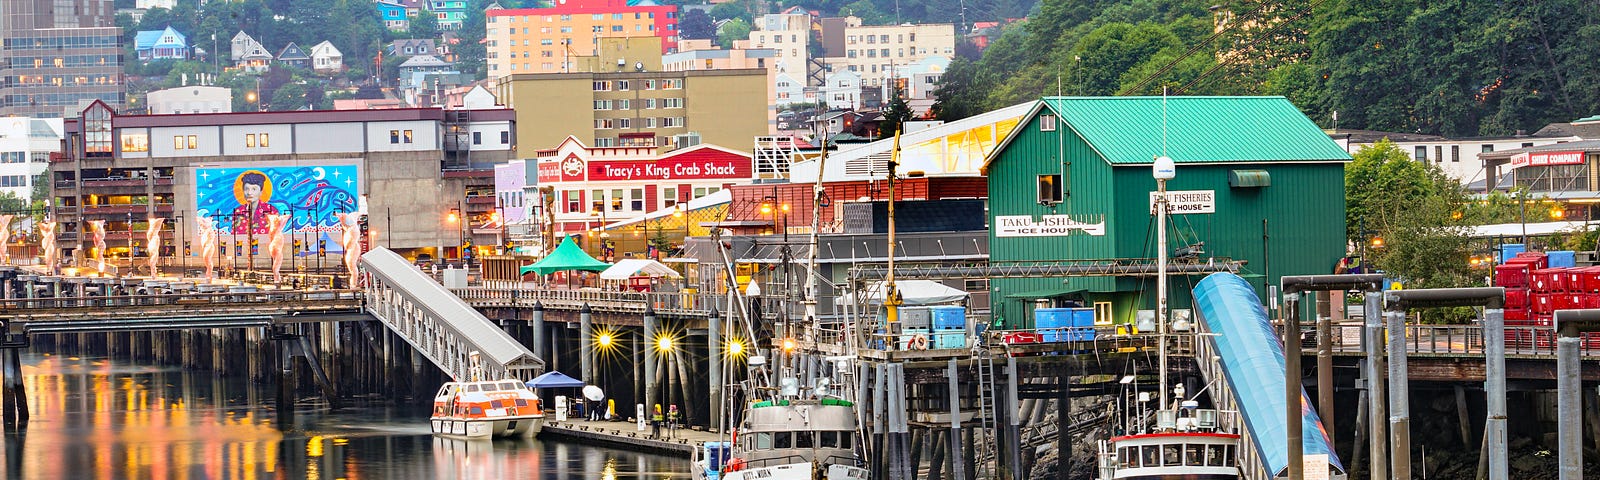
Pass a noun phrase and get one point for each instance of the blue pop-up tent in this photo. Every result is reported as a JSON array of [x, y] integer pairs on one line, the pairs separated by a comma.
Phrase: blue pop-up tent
[[555, 379]]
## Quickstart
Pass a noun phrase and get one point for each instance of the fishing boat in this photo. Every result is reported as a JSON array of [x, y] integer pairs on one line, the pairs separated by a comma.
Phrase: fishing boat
[[801, 429], [485, 408], [798, 439], [1182, 441]]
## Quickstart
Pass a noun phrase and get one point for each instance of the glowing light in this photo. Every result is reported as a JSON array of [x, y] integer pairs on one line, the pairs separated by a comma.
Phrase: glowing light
[[1558, 213], [735, 347], [664, 344], [788, 344], [604, 340], [1377, 242]]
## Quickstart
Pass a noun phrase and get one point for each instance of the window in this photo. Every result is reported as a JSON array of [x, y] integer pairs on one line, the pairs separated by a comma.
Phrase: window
[[671, 83], [1049, 189], [1047, 123], [177, 142], [623, 104], [624, 123], [616, 200], [636, 199], [977, 284], [249, 140], [1488, 147], [602, 104], [649, 103], [570, 197], [394, 136], [477, 138], [622, 85], [407, 135], [1421, 154], [649, 122], [616, 28], [602, 85], [650, 84], [135, 142], [672, 103], [262, 140], [597, 200], [1455, 153], [505, 137], [669, 197], [193, 140], [602, 123]]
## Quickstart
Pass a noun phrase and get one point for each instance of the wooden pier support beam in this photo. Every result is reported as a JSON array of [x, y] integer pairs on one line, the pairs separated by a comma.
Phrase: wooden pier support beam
[[15, 399]]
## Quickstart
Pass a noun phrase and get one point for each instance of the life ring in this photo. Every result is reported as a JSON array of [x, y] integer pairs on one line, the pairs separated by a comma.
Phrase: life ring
[[918, 342]]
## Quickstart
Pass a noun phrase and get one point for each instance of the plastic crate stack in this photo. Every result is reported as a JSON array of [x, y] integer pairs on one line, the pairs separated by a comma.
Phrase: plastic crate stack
[[1532, 294]]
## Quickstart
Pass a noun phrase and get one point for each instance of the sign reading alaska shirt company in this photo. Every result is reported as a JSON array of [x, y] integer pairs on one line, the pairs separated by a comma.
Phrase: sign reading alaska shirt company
[[689, 164]]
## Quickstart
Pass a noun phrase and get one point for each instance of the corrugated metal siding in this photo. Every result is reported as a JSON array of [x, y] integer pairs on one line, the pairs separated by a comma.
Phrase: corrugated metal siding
[[1128, 130], [1013, 191], [1304, 211]]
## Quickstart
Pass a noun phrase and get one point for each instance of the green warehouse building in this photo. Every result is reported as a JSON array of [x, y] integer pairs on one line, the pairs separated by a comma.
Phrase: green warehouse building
[[1257, 182]]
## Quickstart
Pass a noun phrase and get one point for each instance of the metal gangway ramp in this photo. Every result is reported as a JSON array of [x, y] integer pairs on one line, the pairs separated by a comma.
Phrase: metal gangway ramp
[[438, 324]]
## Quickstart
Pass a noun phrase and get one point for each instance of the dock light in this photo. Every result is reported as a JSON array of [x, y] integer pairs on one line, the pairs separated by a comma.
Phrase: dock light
[[766, 209], [788, 345], [735, 347], [1377, 242], [1558, 213], [604, 340], [664, 344]]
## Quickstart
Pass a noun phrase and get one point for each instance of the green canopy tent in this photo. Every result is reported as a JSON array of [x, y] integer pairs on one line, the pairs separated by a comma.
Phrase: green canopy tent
[[565, 257]]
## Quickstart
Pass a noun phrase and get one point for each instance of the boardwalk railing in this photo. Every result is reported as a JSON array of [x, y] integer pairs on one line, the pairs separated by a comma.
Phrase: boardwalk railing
[[1454, 340]]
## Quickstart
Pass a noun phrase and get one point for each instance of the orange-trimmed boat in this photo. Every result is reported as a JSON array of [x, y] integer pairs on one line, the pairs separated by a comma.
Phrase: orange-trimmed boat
[[484, 409]]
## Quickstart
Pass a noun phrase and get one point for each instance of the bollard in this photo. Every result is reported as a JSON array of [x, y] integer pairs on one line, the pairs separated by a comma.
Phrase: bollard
[[1569, 324]]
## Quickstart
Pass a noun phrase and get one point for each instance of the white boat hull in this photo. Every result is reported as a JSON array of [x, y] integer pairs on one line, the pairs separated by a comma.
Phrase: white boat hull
[[792, 471], [525, 426]]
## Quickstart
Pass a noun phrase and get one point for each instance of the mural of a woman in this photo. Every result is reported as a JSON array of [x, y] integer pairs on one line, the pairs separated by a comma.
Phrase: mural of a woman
[[97, 235], [351, 242], [253, 190]]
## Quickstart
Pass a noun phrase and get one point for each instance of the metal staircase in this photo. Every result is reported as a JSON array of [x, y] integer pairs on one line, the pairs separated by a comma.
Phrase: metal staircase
[[438, 324]]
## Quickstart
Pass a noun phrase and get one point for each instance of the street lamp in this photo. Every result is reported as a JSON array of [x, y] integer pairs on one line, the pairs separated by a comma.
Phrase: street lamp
[[455, 218]]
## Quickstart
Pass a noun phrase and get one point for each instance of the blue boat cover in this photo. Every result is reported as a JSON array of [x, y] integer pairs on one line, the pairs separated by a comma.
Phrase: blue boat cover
[[1252, 360]]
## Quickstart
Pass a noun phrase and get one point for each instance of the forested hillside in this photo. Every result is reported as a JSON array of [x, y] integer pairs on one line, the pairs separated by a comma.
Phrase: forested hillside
[[1459, 68]]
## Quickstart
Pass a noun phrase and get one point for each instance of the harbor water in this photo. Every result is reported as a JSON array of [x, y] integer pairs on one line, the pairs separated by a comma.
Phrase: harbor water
[[97, 418]]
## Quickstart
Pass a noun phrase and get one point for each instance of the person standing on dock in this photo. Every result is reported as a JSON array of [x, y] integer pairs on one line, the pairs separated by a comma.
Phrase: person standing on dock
[[655, 422]]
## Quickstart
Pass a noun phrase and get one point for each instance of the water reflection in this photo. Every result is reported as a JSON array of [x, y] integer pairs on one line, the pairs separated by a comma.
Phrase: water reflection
[[94, 418]]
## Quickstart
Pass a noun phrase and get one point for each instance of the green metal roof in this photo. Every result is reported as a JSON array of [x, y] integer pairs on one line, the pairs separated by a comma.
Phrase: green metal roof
[[1127, 130], [1595, 118]]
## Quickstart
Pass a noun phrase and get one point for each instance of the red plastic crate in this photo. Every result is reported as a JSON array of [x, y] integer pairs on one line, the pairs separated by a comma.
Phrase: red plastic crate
[[1542, 303], [1516, 315], [1590, 300], [1571, 280], [1512, 275], [1543, 319], [1588, 280], [1547, 280], [1569, 301], [1516, 298], [1538, 259]]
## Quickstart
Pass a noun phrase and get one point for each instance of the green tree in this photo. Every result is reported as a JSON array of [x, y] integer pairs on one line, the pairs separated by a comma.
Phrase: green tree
[[737, 9], [697, 25], [736, 29], [1418, 212], [423, 25], [867, 11], [10, 202], [895, 113]]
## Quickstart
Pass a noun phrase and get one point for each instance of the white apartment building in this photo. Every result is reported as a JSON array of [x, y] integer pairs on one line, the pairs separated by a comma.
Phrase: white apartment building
[[873, 51], [1461, 158], [25, 147], [789, 34], [194, 99]]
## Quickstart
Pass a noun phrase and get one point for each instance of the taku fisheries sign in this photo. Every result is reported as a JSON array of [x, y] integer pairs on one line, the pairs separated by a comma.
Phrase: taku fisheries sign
[[1047, 226]]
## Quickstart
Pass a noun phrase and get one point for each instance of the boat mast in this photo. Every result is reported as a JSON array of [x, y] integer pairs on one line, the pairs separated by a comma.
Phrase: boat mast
[[1163, 170], [810, 294], [891, 295]]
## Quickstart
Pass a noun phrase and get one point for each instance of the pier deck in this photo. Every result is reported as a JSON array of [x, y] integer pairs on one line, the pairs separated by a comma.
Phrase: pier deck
[[680, 442]]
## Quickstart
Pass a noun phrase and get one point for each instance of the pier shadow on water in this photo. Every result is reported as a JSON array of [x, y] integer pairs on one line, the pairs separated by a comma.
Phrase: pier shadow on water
[[96, 418]]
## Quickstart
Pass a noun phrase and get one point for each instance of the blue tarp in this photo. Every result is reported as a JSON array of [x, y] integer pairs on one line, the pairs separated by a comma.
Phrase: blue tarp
[[1252, 359], [556, 379]]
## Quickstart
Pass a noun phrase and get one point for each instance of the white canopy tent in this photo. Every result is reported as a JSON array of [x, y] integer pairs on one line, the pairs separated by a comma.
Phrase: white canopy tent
[[1532, 229], [637, 267], [912, 292]]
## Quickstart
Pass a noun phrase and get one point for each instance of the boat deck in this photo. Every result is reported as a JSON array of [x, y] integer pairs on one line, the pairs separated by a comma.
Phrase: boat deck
[[681, 442]]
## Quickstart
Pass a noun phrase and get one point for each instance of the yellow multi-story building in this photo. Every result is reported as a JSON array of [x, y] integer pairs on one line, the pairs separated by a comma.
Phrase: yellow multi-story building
[[545, 40], [636, 103]]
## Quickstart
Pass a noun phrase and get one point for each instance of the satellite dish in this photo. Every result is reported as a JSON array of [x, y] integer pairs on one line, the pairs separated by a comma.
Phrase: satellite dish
[[638, 66], [593, 393]]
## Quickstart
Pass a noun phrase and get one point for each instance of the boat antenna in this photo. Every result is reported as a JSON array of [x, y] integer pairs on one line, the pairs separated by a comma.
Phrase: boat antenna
[[809, 297]]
